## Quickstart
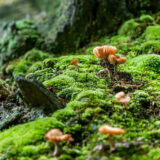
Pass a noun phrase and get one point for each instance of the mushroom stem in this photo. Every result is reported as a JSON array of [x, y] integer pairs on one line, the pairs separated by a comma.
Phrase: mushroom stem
[[124, 105], [55, 153], [107, 66], [111, 142], [77, 67], [115, 70]]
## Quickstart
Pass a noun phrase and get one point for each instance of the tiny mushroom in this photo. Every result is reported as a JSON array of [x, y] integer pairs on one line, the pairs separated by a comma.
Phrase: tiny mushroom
[[56, 136], [120, 96], [106, 129], [115, 60], [75, 62], [103, 52]]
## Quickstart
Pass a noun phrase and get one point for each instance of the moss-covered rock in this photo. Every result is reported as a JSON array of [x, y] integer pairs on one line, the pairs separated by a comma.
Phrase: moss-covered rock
[[20, 37], [152, 33], [128, 28]]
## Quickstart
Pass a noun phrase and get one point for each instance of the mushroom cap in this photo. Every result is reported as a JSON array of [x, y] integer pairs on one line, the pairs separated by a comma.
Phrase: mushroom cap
[[52, 134], [67, 137], [102, 52], [120, 95], [106, 129], [116, 59], [121, 60], [125, 99], [112, 59], [74, 62], [110, 49], [55, 135]]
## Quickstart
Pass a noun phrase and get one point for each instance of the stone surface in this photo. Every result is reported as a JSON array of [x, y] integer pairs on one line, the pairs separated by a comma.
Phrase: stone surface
[[66, 24], [11, 114], [36, 95]]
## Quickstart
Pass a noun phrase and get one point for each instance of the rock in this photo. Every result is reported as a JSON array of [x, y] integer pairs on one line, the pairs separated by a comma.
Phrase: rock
[[36, 95], [11, 114], [18, 38], [65, 24]]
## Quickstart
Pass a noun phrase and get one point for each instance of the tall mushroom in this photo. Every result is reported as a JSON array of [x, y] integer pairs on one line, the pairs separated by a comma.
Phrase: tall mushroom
[[106, 129], [56, 136], [120, 96], [75, 63]]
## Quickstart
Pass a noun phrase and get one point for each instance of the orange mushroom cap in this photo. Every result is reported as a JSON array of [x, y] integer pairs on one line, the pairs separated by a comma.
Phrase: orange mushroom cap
[[121, 60], [120, 96], [103, 52], [112, 59], [125, 99], [106, 129], [55, 135], [52, 134], [74, 62], [116, 59]]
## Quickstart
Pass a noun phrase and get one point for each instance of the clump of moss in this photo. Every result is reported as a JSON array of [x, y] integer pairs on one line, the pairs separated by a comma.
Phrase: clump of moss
[[151, 46], [60, 82], [148, 62], [152, 33], [18, 68], [128, 28], [35, 55], [146, 18]]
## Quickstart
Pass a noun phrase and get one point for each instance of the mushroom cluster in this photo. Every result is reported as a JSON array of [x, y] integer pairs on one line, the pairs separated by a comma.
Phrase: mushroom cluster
[[108, 54], [56, 136], [120, 96], [106, 129]]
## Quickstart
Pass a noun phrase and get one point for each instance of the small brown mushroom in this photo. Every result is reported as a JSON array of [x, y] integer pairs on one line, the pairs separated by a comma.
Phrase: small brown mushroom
[[56, 136], [75, 62], [120, 96], [115, 60], [103, 52], [106, 129]]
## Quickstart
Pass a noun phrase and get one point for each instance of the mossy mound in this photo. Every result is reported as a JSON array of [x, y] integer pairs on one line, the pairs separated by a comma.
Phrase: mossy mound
[[147, 62], [30, 62], [128, 28], [152, 33]]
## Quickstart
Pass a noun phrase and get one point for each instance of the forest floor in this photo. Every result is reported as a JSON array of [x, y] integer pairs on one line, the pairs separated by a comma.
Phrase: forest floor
[[90, 101]]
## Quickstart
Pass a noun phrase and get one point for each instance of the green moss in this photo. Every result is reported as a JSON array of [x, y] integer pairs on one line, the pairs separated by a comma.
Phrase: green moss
[[36, 66], [69, 93], [150, 46], [152, 33], [18, 68], [146, 18], [128, 28], [64, 114], [18, 39], [35, 55], [28, 133], [148, 62], [60, 82]]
